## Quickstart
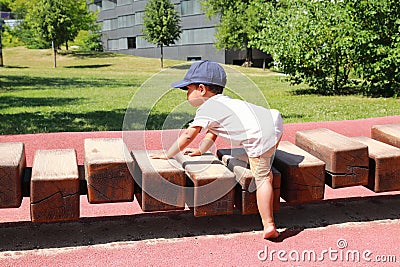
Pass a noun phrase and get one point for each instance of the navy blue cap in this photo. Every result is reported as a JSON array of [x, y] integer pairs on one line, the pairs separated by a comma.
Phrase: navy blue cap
[[205, 72]]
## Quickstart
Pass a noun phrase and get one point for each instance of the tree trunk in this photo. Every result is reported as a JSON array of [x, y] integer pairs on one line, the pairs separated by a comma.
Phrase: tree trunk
[[335, 79], [162, 56], [66, 45], [54, 45], [1, 50], [346, 71], [249, 57]]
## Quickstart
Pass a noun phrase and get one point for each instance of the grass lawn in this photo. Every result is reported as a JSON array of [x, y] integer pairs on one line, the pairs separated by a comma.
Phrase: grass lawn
[[91, 92]]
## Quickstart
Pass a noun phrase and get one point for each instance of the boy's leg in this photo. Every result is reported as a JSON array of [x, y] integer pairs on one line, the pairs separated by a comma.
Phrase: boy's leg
[[261, 169], [265, 206]]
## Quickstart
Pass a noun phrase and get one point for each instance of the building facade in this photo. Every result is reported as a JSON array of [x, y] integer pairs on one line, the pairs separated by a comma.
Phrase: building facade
[[122, 24]]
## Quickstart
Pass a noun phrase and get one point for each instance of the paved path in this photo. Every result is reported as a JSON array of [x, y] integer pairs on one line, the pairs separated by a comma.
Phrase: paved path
[[351, 227]]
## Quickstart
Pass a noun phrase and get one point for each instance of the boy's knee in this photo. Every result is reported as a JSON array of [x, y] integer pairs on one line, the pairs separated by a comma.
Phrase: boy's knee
[[264, 178]]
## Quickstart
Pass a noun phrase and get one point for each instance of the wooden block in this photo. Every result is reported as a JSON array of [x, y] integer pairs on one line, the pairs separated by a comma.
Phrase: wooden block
[[387, 133], [162, 182], [206, 158], [303, 175], [245, 194], [12, 165], [213, 185], [108, 166], [225, 154], [384, 171], [346, 159], [54, 186], [245, 197]]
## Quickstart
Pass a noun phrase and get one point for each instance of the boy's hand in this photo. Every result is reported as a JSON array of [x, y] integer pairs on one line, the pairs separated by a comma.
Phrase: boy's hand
[[160, 155], [192, 152]]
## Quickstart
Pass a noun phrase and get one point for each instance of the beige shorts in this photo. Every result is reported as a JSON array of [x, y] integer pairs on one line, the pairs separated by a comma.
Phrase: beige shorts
[[261, 166]]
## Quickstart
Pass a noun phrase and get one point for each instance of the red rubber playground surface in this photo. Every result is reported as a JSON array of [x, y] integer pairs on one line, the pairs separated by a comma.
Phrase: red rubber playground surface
[[350, 227]]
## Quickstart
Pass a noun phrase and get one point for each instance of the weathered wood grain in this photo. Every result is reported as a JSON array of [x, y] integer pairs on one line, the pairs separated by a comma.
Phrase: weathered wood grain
[[108, 166], [384, 172], [12, 165], [303, 175], [161, 183], [54, 186], [346, 159], [213, 185], [387, 133]]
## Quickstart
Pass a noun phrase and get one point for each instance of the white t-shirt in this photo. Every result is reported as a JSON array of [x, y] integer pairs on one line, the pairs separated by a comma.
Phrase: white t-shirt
[[255, 128]]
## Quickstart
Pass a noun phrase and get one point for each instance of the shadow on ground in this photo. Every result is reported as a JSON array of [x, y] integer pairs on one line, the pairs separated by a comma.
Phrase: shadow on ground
[[102, 230], [96, 66], [15, 67], [40, 122], [87, 54], [16, 102], [15, 83], [354, 90], [58, 121]]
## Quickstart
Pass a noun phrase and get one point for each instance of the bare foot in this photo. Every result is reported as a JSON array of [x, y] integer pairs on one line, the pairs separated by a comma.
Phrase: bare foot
[[270, 232]]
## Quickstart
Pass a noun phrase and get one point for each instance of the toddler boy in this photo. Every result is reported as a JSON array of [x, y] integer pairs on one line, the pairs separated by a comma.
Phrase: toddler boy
[[255, 128]]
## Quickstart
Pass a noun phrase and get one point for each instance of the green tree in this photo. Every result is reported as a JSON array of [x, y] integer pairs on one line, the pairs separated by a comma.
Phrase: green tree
[[322, 42], [89, 41], [161, 24], [82, 20], [378, 52], [5, 5], [313, 41], [237, 24], [53, 21], [22, 32], [50, 19]]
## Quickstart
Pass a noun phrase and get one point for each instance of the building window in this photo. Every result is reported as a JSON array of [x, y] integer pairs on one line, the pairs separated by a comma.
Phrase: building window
[[190, 7], [124, 2], [126, 21], [110, 24], [108, 4], [106, 25], [122, 44], [197, 36], [131, 42], [95, 6], [112, 44], [142, 43], [193, 58], [139, 18], [117, 44]]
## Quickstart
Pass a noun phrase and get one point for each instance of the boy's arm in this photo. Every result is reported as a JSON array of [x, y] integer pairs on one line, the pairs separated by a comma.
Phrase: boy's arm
[[205, 145], [183, 141]]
